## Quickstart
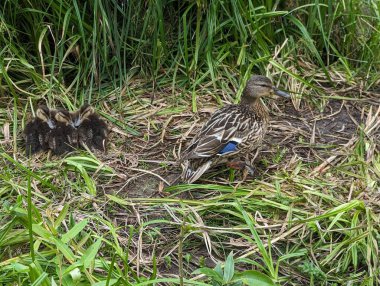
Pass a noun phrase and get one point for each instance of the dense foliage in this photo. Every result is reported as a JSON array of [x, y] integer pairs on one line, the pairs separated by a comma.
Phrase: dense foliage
[[90, 43]]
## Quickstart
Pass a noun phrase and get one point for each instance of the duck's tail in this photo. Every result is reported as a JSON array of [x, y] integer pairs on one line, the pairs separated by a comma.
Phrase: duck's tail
[[190, 174]]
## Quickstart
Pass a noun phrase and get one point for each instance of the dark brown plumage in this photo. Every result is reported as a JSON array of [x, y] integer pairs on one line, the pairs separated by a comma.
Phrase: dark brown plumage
[[62, 131], [92, 130], [63, 138], [37, 131]]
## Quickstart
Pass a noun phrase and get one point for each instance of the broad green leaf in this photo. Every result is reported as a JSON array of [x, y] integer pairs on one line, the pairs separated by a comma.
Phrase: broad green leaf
[[21, 268], [41, 280], [90, 253], [218, 269], [229, 268], [64, 249], [75, 274], [74, 231], [254, 278], [37, 275], [211, 273], [61, 215], [42, 232]]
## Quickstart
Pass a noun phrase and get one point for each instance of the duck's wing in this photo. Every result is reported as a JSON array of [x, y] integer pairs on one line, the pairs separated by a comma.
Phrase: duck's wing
[[221, 135]]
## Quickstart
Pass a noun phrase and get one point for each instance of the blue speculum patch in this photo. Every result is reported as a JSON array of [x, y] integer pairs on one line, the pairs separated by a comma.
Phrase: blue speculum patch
[[230, 147]]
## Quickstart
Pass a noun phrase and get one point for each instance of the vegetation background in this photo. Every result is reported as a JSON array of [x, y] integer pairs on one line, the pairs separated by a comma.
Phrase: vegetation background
[[144, 65]]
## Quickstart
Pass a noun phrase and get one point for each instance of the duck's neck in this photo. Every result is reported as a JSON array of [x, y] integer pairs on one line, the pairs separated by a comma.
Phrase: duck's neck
[[258, 108]]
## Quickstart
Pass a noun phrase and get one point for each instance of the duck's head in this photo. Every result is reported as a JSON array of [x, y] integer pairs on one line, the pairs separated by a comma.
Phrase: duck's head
[[63, 116], [46, 115], [82, 114], [43, 113], [260, 86]]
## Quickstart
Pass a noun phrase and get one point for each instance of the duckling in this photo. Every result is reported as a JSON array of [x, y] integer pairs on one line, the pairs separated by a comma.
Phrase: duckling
[[64, 137], [92, 130], [37, 131], [231, 131]]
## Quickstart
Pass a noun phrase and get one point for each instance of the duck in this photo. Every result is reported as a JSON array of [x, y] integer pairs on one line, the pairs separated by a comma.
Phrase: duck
[[37, 131], [63, 138], [92, 131], [232, 131]]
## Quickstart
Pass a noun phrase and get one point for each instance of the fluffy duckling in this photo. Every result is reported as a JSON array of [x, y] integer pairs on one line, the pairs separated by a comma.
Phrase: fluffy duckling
[[37, 131], [231, 131], [92, 130], [64, 137]]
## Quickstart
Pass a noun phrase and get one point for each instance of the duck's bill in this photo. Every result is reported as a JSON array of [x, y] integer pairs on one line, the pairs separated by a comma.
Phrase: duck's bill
[[50, 123], [77, 121], [281, 93]]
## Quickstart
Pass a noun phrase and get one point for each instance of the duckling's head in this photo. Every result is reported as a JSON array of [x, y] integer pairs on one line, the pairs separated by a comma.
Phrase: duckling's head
[[45, 114], [82, 114], [63, 116], [259, 86], [86, 111]]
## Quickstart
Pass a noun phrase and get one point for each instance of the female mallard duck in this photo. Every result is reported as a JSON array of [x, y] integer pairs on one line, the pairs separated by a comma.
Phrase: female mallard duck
[[37, 131], [232, 130], [92, 130]]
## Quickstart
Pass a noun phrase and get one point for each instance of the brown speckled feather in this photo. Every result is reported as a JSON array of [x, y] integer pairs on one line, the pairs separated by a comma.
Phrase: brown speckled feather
[[231, 123]]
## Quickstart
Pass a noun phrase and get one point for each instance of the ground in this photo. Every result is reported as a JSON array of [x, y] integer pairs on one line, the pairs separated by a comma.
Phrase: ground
[[309, 186]]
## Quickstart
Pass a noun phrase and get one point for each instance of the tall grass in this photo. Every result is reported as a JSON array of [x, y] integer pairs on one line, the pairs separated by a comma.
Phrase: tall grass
[[71, 45]]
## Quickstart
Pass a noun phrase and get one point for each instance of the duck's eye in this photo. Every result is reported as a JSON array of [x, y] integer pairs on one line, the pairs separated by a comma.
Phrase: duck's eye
[[264, 85]]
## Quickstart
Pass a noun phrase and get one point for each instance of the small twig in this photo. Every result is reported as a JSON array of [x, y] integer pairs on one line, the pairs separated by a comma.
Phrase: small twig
[[158, 162], [149, 172]]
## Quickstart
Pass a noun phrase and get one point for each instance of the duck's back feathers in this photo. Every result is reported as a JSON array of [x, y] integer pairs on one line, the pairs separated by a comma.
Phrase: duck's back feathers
[[100, 133], [231, 126], [231, 130]]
